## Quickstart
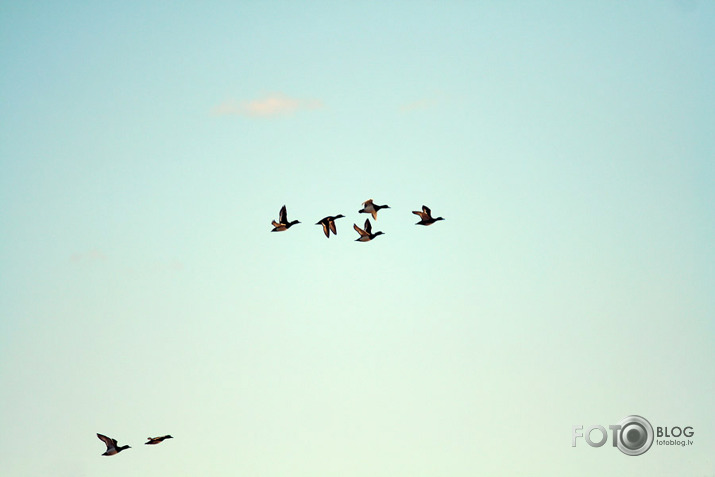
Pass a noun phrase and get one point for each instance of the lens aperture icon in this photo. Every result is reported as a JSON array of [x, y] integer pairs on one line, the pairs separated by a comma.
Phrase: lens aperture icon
[[635, 435]]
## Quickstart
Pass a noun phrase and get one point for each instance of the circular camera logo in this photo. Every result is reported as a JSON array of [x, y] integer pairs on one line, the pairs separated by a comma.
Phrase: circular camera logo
[[635, 435]]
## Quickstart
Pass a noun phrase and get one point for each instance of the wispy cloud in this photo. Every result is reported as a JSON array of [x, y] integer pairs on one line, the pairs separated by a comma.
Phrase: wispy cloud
[[163, 266], [416, 105], [424, 103], [275, 104], [93, 255]]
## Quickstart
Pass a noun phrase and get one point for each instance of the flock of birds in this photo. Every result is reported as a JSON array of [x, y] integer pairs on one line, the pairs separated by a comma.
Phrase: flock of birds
[[282, 224], [365, 233], [113, 448]]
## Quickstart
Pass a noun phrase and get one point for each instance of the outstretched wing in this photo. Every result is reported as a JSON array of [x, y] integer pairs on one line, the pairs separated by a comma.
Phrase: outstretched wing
[[331, 224], [426, 210], [283, 215], [326, 230], [359, 230], [107, 441], [368, 226], [421, 214]]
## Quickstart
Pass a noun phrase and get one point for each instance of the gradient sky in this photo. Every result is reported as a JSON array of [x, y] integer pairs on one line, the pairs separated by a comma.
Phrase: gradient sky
[[145, 148]]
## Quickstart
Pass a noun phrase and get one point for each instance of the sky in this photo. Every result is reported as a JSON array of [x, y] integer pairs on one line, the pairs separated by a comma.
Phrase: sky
[[145, 148]]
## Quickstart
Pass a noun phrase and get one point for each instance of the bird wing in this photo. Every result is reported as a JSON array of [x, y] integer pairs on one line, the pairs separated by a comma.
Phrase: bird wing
[[367, 202], [421, 214], [109, 442], [426, 210], [359, 230], [374, 214], [368, 226], [324, 224], [283, 215], [331, 224], [276, 224]]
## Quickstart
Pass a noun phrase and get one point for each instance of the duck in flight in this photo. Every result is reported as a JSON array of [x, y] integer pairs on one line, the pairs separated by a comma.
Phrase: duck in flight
[[157, 440], [368, 207], [426, 216], [112, 446], [366, 234], [328, 224], [283, 223]]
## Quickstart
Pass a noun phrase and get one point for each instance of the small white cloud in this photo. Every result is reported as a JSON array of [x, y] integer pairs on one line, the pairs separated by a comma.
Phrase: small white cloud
[[415, 105], [167, 266], [276, 104], [93, 255], [428, 102]]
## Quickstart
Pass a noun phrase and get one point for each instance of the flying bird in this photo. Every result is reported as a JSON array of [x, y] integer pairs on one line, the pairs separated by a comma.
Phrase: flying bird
[[369, 208], [366, 234], [426, 216], [112, 446], [328, 224], [283, 223], [157, 440]]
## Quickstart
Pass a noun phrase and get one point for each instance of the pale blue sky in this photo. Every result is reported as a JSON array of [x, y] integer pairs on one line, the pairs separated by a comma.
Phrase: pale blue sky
[[145, 149]]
